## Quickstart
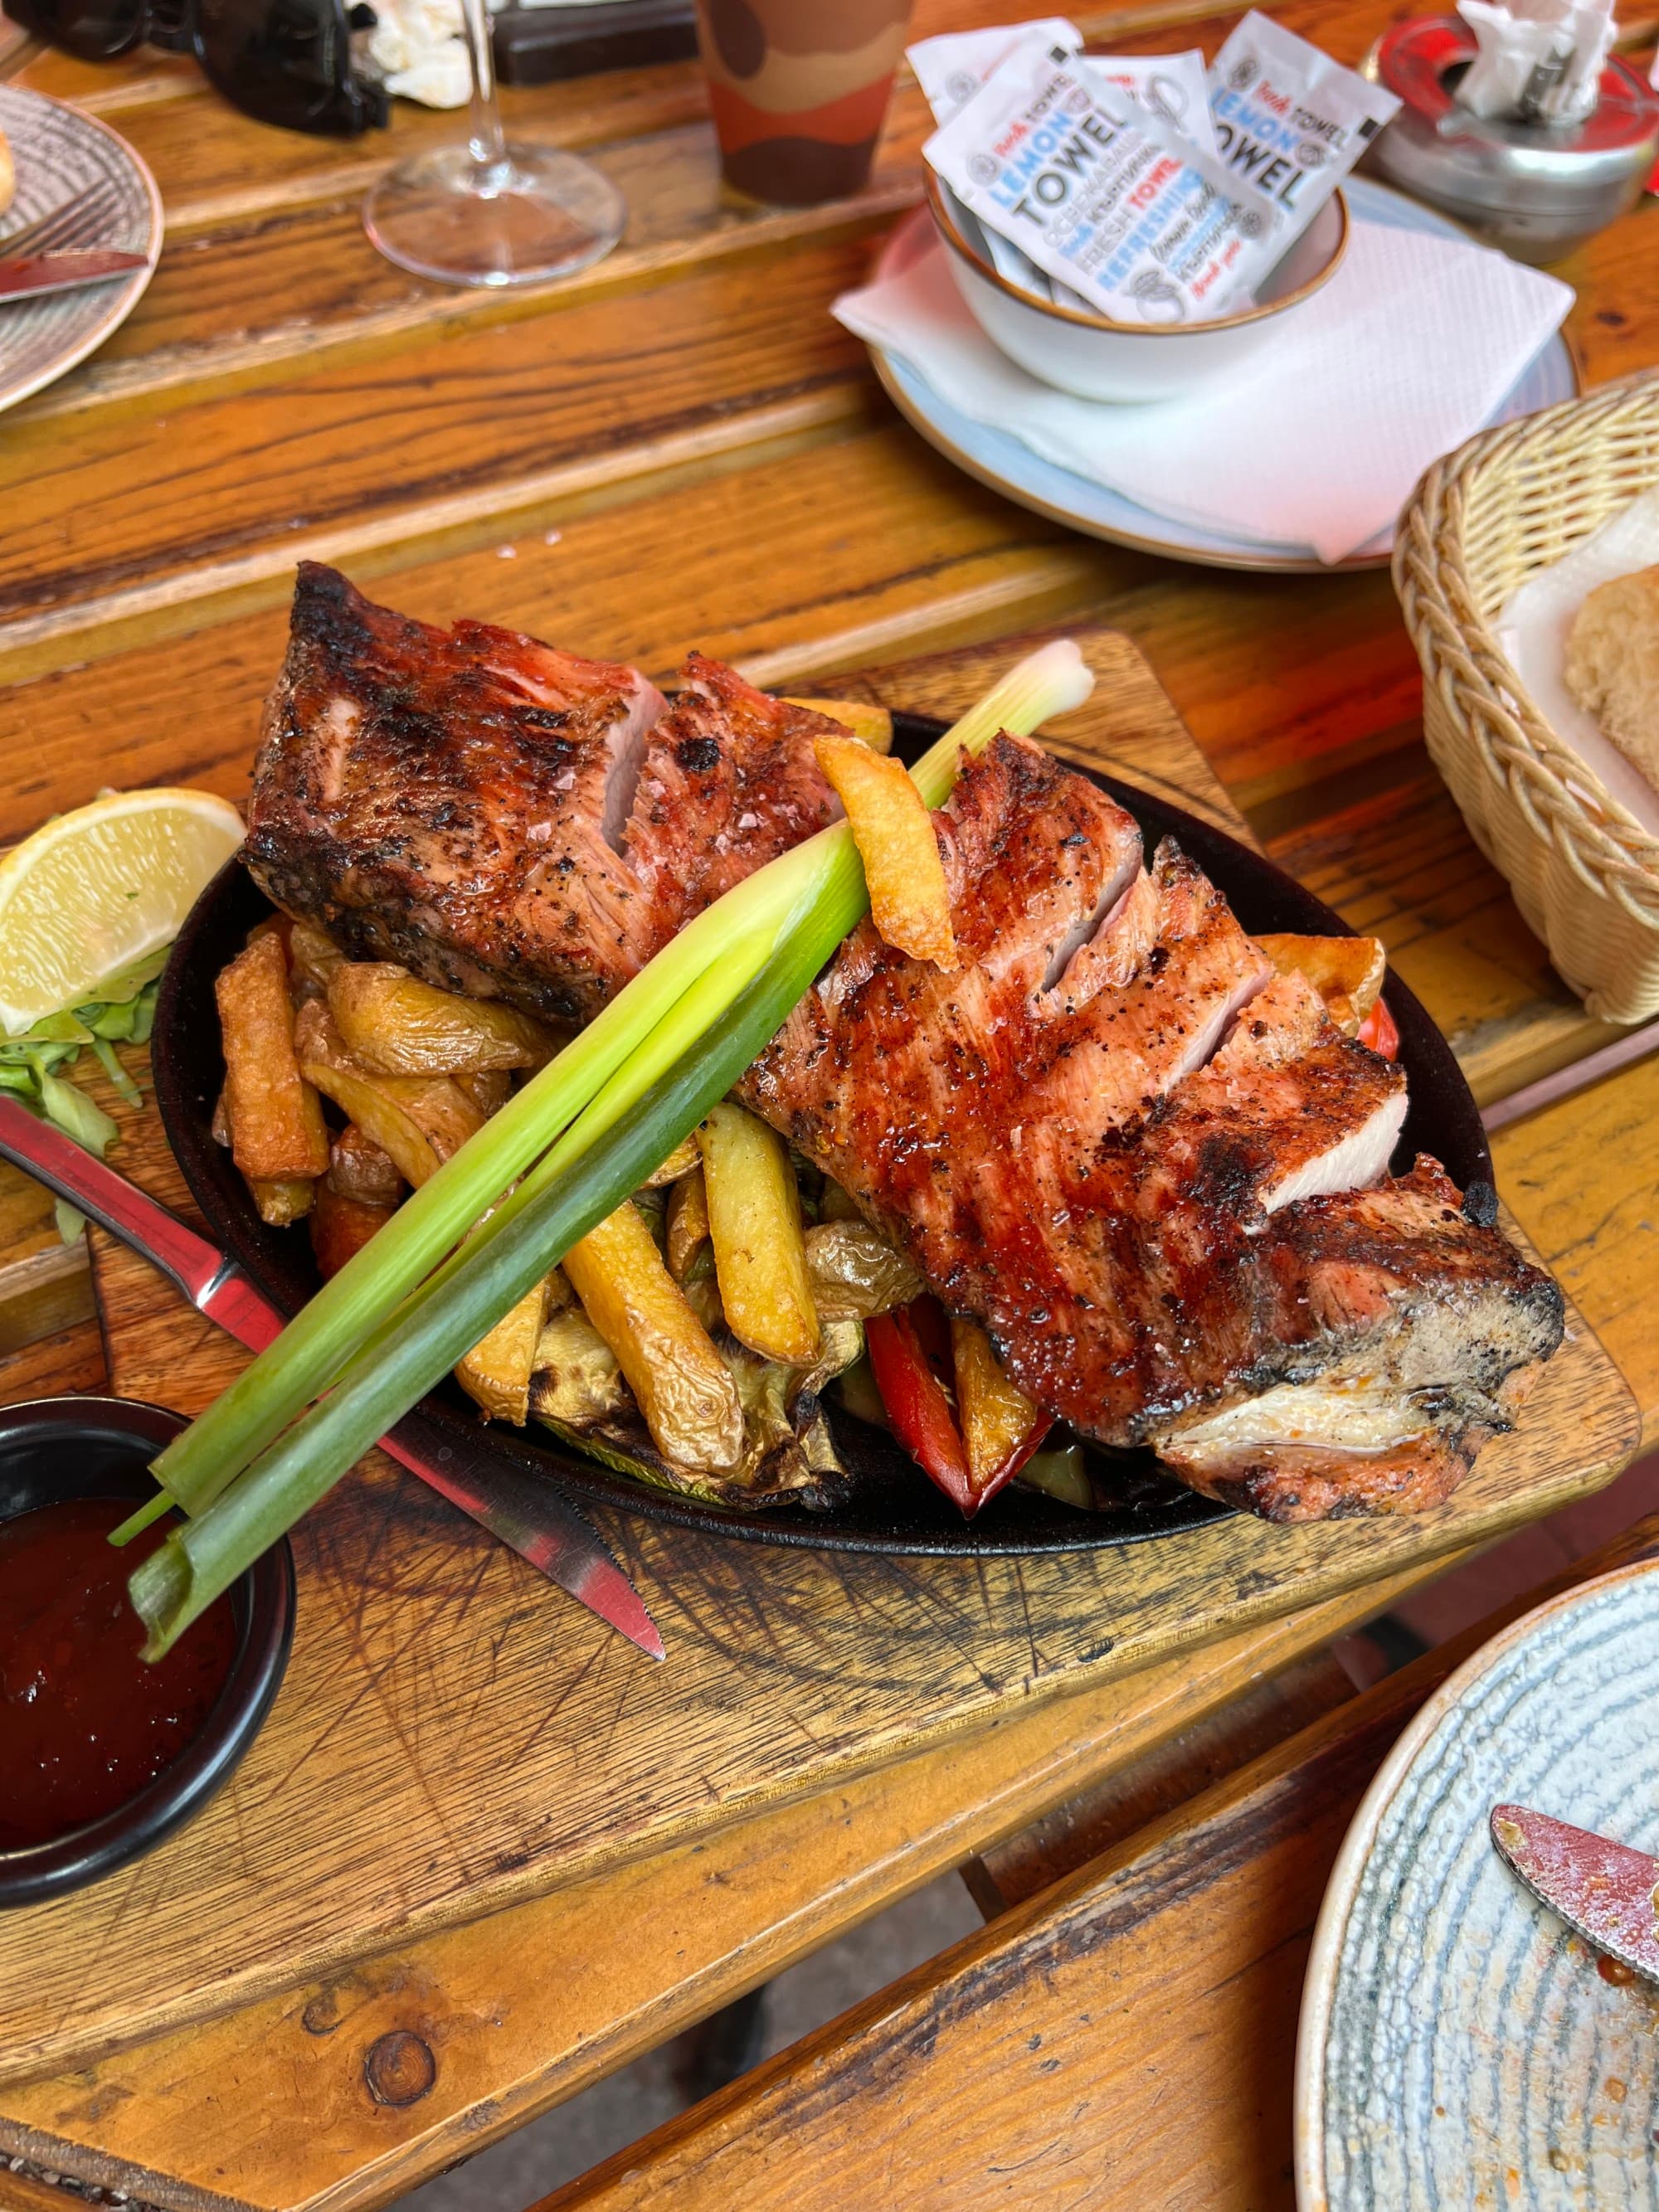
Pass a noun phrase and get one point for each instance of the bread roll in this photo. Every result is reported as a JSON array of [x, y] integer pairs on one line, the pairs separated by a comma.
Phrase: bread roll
[[1613, 665], [8, 176]]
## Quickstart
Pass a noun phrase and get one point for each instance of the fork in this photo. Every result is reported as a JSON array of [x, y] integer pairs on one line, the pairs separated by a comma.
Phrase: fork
[[71, 222]]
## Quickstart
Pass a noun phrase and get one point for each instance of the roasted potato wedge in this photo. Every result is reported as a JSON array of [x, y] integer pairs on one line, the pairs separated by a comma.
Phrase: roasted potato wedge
[[341, 1226], [314, 955], [856, 1273], [871, 725], [278, 1132], [358, 1169], [836, 1205], [380, 1117], [684, 1388], [497, 1372], [680, 1162], [435, 1103], [688, 1223], [395, 1025], [1345, 971], [489, 1088], [996, 1417], [754, 1222], [317, 1036], [910, 900]]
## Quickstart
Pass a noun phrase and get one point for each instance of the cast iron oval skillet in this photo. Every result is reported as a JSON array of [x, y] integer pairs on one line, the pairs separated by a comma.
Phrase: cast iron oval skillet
[[895, 1508]]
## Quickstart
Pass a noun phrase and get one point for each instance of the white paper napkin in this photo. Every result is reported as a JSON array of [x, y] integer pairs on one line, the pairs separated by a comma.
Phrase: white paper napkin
[[1319, 438], [1532, 631]]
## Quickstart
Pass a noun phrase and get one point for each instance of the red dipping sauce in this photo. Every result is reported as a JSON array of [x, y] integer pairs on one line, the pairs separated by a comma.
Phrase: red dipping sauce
[[84, 1723]]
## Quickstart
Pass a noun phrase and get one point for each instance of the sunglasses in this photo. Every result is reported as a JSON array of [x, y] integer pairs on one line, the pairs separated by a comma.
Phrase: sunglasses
[[286, 62]]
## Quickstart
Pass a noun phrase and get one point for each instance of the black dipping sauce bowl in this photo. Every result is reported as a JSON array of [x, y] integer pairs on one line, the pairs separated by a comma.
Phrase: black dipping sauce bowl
[[61, 1448]]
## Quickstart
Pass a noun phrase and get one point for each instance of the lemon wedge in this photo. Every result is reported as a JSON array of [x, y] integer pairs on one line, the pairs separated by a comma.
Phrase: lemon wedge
[[92, 892]]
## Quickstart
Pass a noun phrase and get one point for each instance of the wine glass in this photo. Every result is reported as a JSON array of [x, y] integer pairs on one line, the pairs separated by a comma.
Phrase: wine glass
[[485, 212]]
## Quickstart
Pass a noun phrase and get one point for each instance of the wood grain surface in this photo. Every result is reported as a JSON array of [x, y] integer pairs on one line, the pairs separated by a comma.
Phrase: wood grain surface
[[1123, 2039], [452, 1738]]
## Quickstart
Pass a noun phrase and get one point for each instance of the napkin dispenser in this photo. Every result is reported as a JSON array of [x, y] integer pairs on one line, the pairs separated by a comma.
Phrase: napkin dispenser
[[1534, 189]]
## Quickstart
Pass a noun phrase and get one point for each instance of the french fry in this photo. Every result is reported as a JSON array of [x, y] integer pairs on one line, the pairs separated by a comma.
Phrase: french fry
[[871, 725], [996, 1419], [688, 1223], [1345, 971], [341, 1226], [684, 1390], [281, 1202], [314, 955], [496, 1372], [278, 1132], [380, 1118], [358, 1169], [754, 1221], [680, 1162], [395, 1025], [910, 900]]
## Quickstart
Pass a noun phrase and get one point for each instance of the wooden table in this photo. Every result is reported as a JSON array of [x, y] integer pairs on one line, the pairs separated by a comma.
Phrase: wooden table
[[678, 447]]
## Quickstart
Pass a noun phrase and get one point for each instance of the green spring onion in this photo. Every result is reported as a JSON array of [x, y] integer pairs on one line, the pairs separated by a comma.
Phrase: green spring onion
[[615, 1102]]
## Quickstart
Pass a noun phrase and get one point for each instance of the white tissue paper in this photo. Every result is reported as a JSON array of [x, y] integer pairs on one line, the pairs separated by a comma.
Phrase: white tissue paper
[[418, 45], [1540, 61], [1318, 439], [1532, 631]]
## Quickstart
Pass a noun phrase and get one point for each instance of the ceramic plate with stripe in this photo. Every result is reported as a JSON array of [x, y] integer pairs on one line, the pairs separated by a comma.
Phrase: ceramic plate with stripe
[[1461, 2050], [997, 459], [58, 154]]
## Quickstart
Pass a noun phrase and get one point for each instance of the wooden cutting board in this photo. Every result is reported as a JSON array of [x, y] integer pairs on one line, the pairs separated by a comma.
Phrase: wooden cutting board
[[454, 1734]]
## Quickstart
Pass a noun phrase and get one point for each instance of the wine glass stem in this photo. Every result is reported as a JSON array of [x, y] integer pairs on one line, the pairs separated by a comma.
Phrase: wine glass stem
[[488, 141]]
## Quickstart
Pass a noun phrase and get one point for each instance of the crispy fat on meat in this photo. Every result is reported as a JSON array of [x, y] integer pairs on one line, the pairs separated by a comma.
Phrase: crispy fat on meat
[[1439, 1327]]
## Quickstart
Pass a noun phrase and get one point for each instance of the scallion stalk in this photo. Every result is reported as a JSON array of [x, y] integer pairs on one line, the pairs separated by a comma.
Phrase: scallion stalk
[[615, 1102]]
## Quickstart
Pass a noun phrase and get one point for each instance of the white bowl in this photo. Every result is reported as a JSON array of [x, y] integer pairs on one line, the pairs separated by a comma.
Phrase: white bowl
[[1096, 358]]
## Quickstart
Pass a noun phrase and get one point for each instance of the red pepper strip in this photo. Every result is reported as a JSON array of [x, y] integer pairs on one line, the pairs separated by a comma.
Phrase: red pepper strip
[[1378, 1031], [917, 1405]]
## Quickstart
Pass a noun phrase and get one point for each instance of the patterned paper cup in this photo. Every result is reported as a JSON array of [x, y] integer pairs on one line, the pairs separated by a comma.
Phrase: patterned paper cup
[[799, 89]]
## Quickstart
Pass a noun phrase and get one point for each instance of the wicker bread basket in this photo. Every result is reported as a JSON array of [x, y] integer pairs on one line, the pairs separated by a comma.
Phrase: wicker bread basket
[[1584, 872]]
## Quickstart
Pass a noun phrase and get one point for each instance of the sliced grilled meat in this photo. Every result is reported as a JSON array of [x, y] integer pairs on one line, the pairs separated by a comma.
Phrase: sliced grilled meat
[[505, 819], [728, 781], [453, 800], [1153, 1228]]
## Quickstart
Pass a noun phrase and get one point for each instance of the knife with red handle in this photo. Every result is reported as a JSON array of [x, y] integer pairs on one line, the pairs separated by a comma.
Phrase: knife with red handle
[[27, 276], [1603, 1890], [519, 1507]]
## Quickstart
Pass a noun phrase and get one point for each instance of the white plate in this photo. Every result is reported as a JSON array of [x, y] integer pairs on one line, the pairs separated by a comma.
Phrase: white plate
[[1001, 461], [1459, 2047], [58, 153]]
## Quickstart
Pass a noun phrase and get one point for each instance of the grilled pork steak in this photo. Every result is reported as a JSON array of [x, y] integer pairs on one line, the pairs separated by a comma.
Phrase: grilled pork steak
[[1155, 1227], [505, 819], [1153, 1168]]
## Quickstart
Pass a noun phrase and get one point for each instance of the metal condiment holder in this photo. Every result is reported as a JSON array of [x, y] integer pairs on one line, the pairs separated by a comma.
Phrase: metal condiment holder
[[1535, 190]]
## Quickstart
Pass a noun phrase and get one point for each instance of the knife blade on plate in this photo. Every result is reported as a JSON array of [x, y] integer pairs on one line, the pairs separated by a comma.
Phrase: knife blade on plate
[[1603, 1890], [512, 1502], [28, 274]]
